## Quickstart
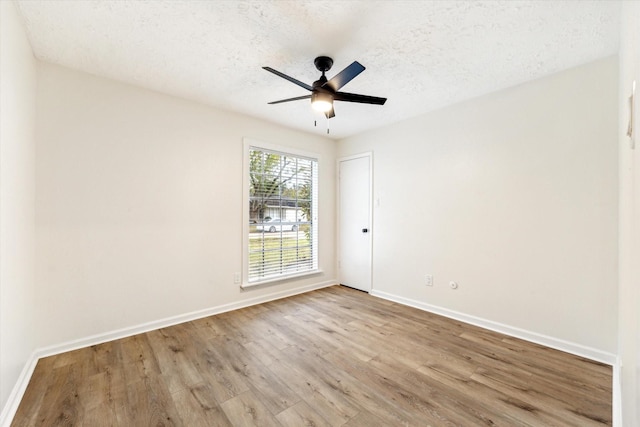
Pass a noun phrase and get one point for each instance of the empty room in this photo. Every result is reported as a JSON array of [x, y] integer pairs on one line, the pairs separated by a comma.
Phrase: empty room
[[319, 213]]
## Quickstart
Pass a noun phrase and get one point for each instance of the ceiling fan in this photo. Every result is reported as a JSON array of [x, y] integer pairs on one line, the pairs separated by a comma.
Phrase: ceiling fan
[[324, 92]]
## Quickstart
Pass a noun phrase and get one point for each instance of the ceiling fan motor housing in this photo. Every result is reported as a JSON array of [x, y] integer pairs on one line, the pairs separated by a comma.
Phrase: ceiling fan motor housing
[[317, 85]]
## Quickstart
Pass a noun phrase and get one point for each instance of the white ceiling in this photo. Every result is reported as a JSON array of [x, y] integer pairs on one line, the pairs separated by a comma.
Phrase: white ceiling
[[421, 55]]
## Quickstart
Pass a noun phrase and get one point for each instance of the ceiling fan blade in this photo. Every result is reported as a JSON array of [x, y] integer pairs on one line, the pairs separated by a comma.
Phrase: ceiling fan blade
[[345, 76], [363, 99], [291, 79], [330, 113], [290, 99]]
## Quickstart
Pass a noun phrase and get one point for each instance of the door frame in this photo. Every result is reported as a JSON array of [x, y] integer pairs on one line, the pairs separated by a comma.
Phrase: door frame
[[369, 155]]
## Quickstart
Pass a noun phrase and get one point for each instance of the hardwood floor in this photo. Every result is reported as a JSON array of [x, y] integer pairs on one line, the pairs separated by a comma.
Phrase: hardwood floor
[[332, 357]]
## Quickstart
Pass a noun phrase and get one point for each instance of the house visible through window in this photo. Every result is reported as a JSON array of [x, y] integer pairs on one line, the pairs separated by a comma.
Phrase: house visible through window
[[282, 214]]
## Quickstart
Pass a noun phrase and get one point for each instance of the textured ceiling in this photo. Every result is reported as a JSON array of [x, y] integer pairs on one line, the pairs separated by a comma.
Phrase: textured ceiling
[[421, 55]]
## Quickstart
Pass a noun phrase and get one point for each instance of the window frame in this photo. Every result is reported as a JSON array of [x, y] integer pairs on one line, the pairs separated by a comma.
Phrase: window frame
[[249, 144]]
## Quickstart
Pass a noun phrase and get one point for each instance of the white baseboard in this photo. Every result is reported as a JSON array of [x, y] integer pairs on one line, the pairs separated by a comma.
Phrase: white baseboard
[[10, 408], [558, 344], [617, 394]]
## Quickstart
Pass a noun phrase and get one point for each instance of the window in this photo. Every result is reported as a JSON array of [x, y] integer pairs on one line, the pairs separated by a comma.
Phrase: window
[[281, 214]]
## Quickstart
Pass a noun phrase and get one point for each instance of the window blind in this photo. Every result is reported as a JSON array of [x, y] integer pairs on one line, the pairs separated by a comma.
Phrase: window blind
[[282, 214]]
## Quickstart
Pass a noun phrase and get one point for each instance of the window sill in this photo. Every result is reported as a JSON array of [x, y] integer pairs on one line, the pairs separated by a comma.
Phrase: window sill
[[277, 279]]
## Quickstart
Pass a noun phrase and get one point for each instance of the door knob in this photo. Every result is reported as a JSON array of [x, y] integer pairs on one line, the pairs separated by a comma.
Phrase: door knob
[[365, 230]]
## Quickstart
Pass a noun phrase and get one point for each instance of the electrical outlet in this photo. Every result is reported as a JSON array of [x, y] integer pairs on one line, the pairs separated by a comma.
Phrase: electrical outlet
[[237, 278], [428, 280]]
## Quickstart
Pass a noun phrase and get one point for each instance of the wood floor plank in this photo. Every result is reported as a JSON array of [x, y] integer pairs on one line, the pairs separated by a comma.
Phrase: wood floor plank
[[345, 387], [149, 403], [367, 419], [301, 414], [264, 350], [197, 407], [576, 415], [274, 393], [481, 396], [357, 344], [418, 404], [95, 416], [449, 406], [61, 404], [225, 382], [313, 387], [247, 410], [138, 359], [331, 357], [171, 347]]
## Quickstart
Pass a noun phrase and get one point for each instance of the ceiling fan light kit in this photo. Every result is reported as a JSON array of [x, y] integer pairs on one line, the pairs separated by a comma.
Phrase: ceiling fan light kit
[[324, 92], [322, 102]]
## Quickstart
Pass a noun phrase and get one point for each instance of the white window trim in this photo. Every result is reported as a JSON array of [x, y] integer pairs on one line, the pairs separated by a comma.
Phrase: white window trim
[[247, 144]]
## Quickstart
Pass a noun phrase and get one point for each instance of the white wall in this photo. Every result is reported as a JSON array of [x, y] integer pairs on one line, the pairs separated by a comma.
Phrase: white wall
[[139, 205], [514, 196], [17, 192], [629, 311]]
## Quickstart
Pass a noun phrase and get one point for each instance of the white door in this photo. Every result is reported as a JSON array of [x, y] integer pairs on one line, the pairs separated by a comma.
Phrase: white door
[[354, 241]]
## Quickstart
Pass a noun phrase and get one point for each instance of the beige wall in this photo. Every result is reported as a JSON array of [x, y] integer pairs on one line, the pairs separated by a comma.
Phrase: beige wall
[[17, 188], [139, 205], [514, 196], [629, 311]]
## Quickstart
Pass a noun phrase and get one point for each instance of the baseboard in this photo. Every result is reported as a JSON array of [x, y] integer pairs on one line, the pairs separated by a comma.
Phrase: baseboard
[[10, 408], [617, 394], [558, 344]]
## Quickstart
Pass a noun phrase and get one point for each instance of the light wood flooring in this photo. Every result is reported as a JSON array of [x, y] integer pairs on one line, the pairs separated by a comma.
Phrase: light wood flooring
[[332, 357]]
